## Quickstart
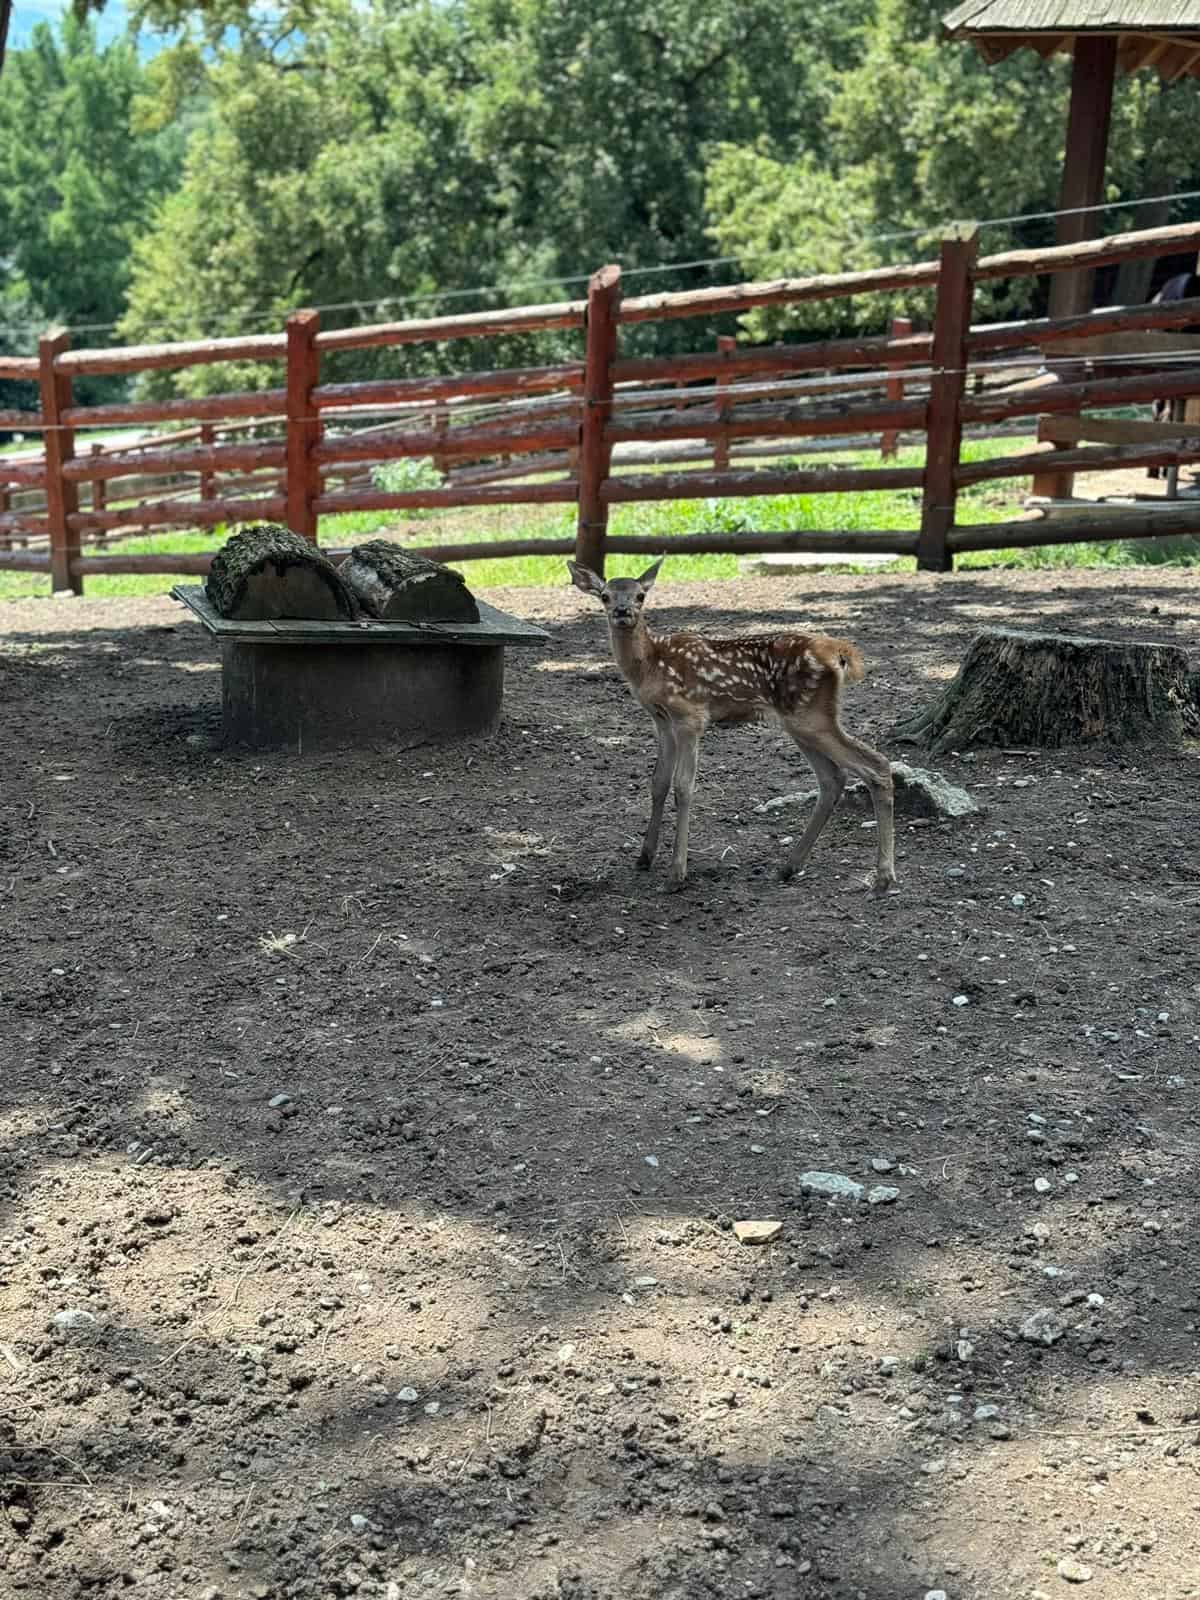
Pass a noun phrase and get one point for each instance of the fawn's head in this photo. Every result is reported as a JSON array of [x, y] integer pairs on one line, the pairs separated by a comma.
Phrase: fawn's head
[[622, 598]]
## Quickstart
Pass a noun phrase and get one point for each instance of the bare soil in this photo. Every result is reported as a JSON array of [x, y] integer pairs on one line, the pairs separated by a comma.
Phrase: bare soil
[[464, 1313]]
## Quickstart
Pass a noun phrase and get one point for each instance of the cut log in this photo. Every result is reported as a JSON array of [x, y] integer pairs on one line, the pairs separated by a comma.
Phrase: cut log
[[397, 586], [1049, 689], [267, 571]]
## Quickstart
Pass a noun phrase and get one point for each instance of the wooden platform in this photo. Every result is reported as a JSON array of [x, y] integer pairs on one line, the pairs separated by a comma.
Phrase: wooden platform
[[283, 683]]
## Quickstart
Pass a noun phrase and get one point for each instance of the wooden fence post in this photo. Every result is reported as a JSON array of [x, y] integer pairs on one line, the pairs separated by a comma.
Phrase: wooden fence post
[[725, 344], [99, 495], [62, 497], [441, 427], [208, 481], [595, 448], [952, 322], [303, 423], [889, 440]]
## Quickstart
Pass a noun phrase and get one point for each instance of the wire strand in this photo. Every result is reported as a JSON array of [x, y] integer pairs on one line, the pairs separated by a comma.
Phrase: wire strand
[[401, 301]]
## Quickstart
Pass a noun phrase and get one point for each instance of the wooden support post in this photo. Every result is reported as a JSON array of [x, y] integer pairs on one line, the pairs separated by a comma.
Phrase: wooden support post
[[726, 344], [208, 480], [1092, 75], [303, 423], [595, 448], [441, 427], [62, 497], [99, 494], [889, 440], [6, 540], [952, 323]]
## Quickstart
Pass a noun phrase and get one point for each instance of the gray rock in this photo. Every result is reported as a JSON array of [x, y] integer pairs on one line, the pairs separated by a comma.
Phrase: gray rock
[[359, 1523], [882, 1164], [882, 1195], [76, 1321], [1043, 1326], [279, 1100], [936, 1594], [757, 1232], [833, 1185], [1073, 1571], [919, 793]]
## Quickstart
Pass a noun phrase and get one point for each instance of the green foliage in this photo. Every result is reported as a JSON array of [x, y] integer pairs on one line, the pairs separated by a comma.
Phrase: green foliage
[[921, 133]]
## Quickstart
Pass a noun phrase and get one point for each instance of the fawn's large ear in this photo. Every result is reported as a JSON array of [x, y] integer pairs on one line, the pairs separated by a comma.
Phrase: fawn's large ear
[[647, 578], [584, 578]]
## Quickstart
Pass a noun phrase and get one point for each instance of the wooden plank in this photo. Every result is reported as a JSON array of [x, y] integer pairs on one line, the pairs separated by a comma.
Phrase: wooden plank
[[484, 494], [1049, 333], [717, 485], [1027, 401], [775, 422], [515, 381], [154, 357], [1028, 532], [145, 463], [62, 497], [595, 446], [471, 325], [1102, 458], [1150, 344], [243, 403], [876, 350], [1112, 430], [181, 514], [494, 627], [554, 429], [303, 424], [952, 319]]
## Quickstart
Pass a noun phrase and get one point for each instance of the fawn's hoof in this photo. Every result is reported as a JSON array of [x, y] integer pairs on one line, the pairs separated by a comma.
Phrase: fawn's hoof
[[675, 881], [883, 885], [644, 862]]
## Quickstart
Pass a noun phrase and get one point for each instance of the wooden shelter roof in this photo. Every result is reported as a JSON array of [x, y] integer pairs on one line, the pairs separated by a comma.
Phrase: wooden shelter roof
[[1164, 34]]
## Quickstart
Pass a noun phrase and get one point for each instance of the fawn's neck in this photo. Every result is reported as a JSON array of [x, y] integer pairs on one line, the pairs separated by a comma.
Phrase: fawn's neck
[[632, 649]]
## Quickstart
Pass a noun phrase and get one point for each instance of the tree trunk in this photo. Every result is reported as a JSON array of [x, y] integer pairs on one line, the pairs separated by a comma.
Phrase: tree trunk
[[397, 586], [1049, 689], [268, 571], [5, 18]]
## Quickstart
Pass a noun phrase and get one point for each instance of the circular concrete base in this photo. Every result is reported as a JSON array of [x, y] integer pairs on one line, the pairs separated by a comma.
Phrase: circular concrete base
[[315, 695]]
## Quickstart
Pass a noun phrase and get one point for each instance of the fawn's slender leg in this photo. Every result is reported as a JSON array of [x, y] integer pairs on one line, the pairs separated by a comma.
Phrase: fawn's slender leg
[[832, 782], [687, 748], [660, 785], [876, 772]]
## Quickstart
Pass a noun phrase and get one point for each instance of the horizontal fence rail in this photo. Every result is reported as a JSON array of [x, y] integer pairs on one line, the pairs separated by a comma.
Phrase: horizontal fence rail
[[590, 431]]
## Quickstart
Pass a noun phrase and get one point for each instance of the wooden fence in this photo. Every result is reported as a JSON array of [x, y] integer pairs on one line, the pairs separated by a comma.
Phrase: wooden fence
[[583, 432]]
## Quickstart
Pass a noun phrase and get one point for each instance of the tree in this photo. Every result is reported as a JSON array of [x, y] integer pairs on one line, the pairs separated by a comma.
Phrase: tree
[[77, 182]]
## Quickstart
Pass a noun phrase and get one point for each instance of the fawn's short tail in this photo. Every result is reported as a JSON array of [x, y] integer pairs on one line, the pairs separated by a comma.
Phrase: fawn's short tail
[[841, 656]]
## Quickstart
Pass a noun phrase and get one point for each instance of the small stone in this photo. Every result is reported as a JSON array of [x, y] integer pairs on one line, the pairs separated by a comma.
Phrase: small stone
[[278, 1101], [359, 1523], [882, 1164], [999, 1430], [888, 1366], [566, 1354], [1018, 902], [986, 1413], [651, 1161], [1074, 1571], [964, 1349], [1095, 1301], [834, 1185], [936, 1594], [882, 1195], [408, 1396], [960, 1000], [1043, 1326], [76, 1321], [1042, 1185], [757, 1232]]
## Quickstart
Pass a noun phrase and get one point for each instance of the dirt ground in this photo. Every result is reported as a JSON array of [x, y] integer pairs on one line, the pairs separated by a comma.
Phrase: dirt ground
[[371, 1135]]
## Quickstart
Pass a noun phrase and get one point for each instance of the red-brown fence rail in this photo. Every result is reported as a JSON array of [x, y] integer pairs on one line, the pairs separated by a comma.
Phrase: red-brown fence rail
[[587, 432]]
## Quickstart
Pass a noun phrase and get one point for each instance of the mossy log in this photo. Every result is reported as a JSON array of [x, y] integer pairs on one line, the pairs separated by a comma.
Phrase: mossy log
[[1048, 689], [397, 586], [267, 571]]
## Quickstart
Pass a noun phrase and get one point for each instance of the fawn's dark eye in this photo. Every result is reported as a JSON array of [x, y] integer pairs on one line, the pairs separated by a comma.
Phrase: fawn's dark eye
[[605, 599], [641, 597]]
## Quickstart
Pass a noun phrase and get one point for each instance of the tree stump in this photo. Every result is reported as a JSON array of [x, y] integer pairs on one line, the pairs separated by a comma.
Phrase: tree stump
[[267, 571], [397, 586], [1050, 689]]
